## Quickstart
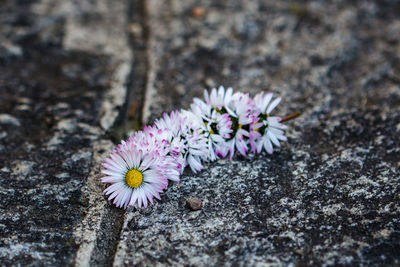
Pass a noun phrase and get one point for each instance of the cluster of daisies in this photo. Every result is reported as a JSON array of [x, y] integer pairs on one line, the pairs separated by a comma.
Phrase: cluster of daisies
[[224, 122]]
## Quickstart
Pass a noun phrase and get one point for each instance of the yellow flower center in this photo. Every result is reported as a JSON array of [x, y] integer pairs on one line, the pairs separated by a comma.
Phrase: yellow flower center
[[134, 178], [211, 131], [240, 126]]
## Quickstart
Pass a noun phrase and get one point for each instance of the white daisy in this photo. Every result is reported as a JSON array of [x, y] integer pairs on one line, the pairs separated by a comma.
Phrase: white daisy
[[244, 123], [156, 142], [215, 126], [196, 142], [172, 124], [218, 99], [271, 129], [187, 145], [136, 177]]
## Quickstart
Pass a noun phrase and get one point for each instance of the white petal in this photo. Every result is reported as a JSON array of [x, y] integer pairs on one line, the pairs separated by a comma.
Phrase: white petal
[[273, 104], [281, 137], [194, 164], [111, 173], [113, 187], [268, 145], [266, 101], [115, 165], [148, 175], [114, 194], [127, 198], [122, 198], [112, 168], [273, 138], [119, 160], [275, 131], [259, 146], [206, 96], [127, 158], [139, 198], [111, 179], [144, 198], [134, 198]]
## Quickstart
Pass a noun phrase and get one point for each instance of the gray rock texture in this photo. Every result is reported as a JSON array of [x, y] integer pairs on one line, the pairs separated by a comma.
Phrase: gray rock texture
[[75, 73], [61, 84], [328, 196]]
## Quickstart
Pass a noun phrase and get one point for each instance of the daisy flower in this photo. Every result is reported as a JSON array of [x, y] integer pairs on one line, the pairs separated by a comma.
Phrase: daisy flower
[[139, 169], [244, 123], [197, 150], [187, 145], [271, 129], [218, 99], [196, 142], [172, 124], [136, 176], [215, 126], [156, 141]]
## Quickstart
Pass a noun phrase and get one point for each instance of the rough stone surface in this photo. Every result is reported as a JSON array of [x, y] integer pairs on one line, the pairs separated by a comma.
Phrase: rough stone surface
[[56, 97], [329, 196]]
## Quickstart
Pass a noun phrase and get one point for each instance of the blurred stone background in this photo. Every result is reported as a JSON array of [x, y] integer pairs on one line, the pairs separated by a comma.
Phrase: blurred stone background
[[76, 76]]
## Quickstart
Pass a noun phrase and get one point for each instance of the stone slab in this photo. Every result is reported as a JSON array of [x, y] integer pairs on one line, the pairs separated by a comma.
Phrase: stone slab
[[329, 196], [64, 67]]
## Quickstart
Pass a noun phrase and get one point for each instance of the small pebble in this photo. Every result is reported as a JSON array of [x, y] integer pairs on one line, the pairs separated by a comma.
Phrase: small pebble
[[194, 203], [136, 29], [198, 12]]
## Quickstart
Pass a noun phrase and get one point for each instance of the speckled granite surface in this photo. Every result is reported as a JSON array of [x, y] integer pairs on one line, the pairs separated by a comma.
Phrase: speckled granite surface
[[55, 96], [329, 196]]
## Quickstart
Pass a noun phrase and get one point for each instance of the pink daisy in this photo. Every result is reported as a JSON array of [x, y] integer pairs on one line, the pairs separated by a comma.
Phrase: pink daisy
[[157, 141], [136, 176]]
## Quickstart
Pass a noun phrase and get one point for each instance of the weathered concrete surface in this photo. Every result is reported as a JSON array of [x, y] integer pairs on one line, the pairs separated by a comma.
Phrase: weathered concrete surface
[[63, 72], [328, 196], [331, 194]]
